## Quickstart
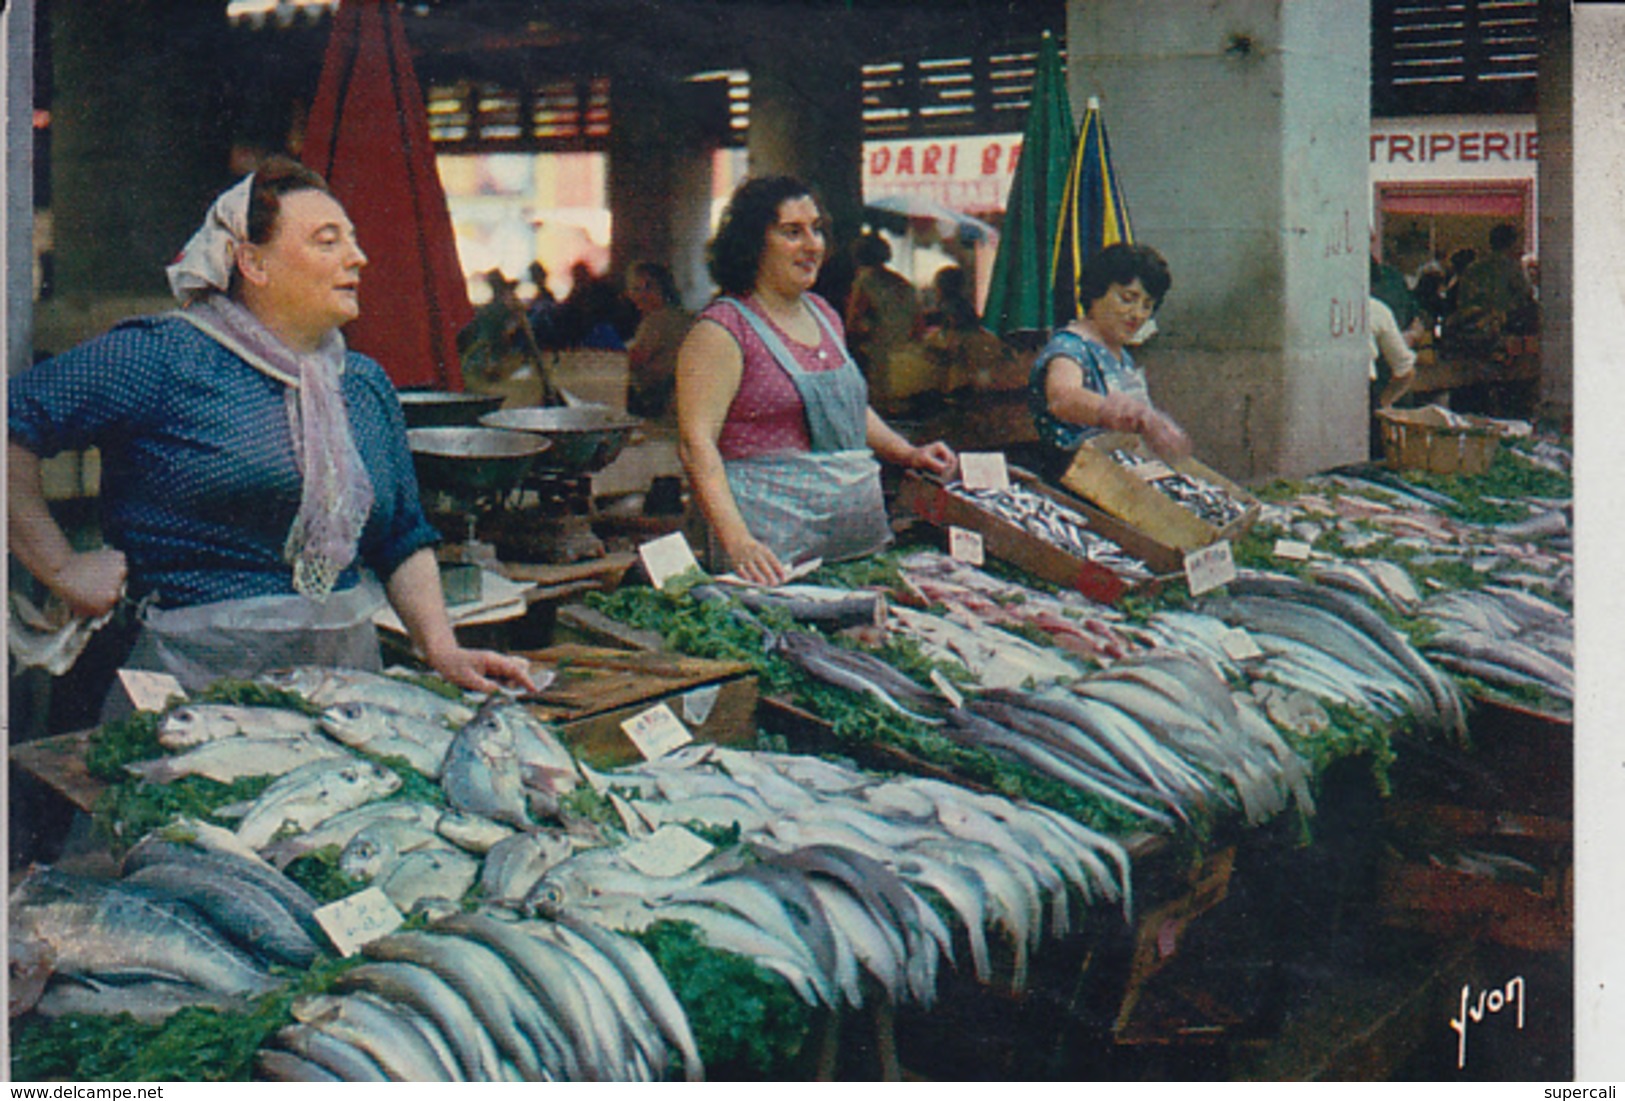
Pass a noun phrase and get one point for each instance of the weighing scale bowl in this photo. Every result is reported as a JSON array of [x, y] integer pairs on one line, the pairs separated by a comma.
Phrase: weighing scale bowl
[[466, 462], [584, 437], [437, 408]]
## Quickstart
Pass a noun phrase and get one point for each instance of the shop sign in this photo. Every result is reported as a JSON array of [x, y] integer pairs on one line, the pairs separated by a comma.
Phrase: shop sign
[[1454, 147], [969, 174]]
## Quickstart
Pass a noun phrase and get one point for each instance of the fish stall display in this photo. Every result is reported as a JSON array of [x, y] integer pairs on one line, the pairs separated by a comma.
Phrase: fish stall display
[[1209, 502], [1052, 522]]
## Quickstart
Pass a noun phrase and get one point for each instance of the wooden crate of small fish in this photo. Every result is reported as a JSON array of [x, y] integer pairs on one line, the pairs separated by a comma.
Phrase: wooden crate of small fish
[[1179, 506], [1030, 528]]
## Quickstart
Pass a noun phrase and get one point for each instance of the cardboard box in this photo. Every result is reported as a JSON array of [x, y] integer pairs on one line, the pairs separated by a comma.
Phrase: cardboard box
[[596, 689], [1119, 492], [930, 500]]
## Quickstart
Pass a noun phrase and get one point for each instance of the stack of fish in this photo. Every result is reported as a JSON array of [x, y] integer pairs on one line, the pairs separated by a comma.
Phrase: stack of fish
[[825, 887], [994, 658], [1206, 500], [1075, 623], [1336, 647], [1158, 737], [1505, 638], [196, 919], [480, 997], [1045, 518]]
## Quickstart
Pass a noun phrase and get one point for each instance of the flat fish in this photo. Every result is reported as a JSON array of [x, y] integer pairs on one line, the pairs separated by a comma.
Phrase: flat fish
[[481, 773]]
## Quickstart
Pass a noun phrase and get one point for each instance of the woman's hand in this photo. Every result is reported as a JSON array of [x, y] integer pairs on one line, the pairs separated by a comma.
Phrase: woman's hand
[[755, 561], [936, 458], [1121, 413], [90, 582], [481, 670], [1166, 438]]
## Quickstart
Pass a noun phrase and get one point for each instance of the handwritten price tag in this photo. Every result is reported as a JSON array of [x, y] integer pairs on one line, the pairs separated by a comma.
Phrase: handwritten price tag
[[984, 470], [667, 557], [965, 545], [657, 731], [360, 919], [1239, 645], [150, 691], [1293, 549], [670, 850], [1209, 567]]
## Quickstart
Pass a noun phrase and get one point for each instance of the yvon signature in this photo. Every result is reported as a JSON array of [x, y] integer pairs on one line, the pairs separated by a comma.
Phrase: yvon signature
[[1489, 1002]]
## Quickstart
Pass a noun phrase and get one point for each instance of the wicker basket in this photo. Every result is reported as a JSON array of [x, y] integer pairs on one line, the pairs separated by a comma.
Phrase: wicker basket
[[1437, 441]]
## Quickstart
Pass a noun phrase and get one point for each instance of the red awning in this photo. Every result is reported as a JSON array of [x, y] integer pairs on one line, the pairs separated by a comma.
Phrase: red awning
[[368, 133]]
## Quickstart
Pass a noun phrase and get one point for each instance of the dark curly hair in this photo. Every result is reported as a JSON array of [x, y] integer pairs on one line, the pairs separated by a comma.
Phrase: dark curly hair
[[1121, 264], [735, 253]]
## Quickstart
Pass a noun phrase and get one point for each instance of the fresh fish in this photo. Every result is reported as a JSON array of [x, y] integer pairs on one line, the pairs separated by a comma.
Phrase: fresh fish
[[381, 732], [248, 915], [472, 832], [481, 773], [515, 864], [229, 759], [149, 1000], [340, 829], [629, 1038], [193, 724], [342, 1059], [428, 874], [858, 672], [109, 931], [379, 846], [410, 984], [326, 687], [545, 764], [373, 1027], [312, 794], [276, 1065]]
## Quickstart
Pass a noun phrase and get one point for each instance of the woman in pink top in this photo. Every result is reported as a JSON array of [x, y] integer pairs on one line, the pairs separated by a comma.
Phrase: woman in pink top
[[775, 429]]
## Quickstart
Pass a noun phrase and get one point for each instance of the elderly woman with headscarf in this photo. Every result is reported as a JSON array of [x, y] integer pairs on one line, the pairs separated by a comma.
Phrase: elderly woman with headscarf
[[256, 476]]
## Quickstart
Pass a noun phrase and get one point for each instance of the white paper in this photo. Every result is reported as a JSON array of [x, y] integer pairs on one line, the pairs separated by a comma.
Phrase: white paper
[[698, 702], [793, 573], [1209, 567], [1239, 645], [965, 545], [358, 920], [657, 731], [1152, 471], [501, 599], [670, 850], [1293, 549], [667, 557], [984, 470], [150, 691]]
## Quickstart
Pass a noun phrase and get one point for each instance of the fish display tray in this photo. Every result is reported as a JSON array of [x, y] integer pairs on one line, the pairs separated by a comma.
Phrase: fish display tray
[[931, 501], [1163, 529], [595, 689], [1437, 441]]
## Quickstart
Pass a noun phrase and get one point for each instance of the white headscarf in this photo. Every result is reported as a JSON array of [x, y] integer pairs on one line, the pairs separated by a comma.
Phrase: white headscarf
[[206, 263], [336, 494]]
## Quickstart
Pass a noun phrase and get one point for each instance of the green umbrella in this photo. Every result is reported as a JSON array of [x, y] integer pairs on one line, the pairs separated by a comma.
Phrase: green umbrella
[[1019, 294], [1094, 213]]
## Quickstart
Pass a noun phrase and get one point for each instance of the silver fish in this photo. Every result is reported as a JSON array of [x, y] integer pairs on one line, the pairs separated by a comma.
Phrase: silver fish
[[373, 1027], [341, 828], [230, 759], [481, 773], [428, 874], [195, 723], [514, 865], [326, 687], [382, 732], [312, 794]]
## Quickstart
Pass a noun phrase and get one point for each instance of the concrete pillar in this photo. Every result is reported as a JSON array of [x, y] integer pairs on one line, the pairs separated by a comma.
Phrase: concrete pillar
[[17, 153], [1239, 130], [138, 139], [660, 153], [1555, 122], [806, 111]]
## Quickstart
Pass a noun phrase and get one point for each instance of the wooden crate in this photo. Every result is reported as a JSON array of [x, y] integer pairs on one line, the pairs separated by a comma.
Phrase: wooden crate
[[1436, 441], [930, 500], [1113, 489], [596, 689]]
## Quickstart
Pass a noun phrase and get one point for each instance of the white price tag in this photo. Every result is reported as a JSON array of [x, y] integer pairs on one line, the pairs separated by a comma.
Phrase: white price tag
[[360, 919], [670, 850], [1239, 645], [1209, 567], [657, 731], [667, 557], [984, 470], [1293, 549], [150, 691], [946, 687], [965, 545]]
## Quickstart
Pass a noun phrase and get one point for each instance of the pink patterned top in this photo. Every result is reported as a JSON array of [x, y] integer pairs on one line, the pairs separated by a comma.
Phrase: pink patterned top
[[766, 416]]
